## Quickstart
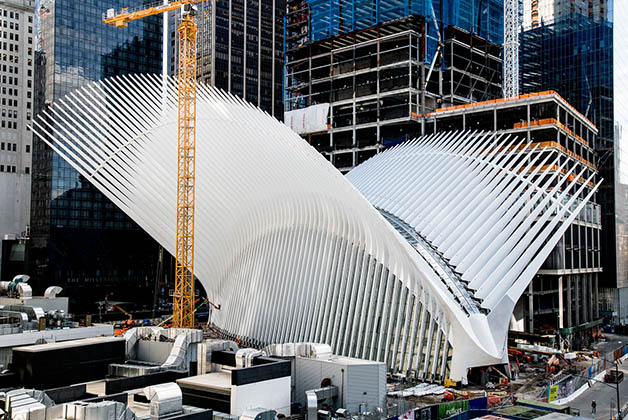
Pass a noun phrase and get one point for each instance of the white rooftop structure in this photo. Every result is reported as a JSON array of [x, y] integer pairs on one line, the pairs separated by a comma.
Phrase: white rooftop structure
[[415, 259]]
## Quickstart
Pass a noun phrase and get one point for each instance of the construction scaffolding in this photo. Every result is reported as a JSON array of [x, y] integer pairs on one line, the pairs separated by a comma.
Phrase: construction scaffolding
[[472, 68], [380, 80], [512, 18]]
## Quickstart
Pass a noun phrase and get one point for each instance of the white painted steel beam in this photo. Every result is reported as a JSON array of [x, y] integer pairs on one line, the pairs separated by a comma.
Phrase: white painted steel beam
[[424, 248]]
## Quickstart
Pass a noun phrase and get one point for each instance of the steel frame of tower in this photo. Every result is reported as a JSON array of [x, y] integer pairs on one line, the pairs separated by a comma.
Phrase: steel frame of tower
[[183, 310], [511, 48]]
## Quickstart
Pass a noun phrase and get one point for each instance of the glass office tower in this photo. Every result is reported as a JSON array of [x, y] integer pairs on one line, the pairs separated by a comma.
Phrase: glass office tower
[[240, 50], [79, 239], [584, 59], [574, 56]]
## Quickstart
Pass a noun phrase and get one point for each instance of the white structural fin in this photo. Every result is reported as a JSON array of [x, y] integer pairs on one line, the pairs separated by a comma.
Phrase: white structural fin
[[416, 258]]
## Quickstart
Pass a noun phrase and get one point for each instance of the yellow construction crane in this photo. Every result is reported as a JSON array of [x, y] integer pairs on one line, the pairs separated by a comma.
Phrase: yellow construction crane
[[183, 308]]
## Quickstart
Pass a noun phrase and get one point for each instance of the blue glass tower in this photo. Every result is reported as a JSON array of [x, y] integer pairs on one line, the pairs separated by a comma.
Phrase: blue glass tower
[[574, 57], [582, 58], [329, 18], [79, 239]]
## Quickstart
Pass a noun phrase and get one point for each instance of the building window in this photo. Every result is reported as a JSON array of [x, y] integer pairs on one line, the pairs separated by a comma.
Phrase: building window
[[2, 144], [1, 168], [27, 170], [14, 147], [28, 148], [13, 169]]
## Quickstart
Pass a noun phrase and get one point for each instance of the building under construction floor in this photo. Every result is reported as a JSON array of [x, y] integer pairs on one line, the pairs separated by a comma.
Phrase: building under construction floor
[[557, 304], [354, 94]]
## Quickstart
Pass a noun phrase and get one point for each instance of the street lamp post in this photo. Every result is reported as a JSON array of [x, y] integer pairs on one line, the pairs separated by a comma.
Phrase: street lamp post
[[616, 363], [617, 389]]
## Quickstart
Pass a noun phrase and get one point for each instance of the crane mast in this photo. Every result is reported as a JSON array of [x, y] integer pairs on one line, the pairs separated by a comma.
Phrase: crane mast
[[511, 48], [183, 302], [186, 75]]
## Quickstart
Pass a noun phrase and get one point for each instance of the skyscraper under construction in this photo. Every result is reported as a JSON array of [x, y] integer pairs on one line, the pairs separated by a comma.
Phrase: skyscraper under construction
[[362, 74]]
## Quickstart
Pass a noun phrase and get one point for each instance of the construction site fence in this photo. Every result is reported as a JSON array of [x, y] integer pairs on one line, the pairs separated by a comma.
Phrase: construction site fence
[[619, 352], [569, 383], [454, 410]]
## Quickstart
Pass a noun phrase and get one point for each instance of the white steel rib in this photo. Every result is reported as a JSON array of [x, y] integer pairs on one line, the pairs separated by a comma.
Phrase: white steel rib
[[416, 258]]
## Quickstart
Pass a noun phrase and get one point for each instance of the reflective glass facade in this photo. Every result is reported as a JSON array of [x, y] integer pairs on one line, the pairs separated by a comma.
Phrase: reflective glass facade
[[80, 240], [574, 56], [585, 60], [240, 49], [537, 12]]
